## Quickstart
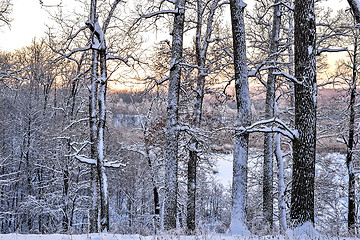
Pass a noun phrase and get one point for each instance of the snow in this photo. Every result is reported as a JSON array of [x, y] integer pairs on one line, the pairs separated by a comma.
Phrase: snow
[[108, 236], [357, 3], [310, 50], [238, 214], [304, 231], [238, 227], [94, 236], [295, 133], [241, 3], [85, 159], [315, 93], [281, 182], [105, 185], [224, 168]]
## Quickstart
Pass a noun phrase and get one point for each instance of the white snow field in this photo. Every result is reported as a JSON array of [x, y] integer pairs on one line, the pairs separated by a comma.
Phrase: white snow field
[[104, 236]]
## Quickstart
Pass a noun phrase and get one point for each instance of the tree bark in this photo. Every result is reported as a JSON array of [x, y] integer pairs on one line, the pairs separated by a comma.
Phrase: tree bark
[[281, 185], [94, 209], [172, 125], [302, 194], [268, 202], [351, 144], [155, 189], [238, 218], [104, 198], [201, 52], [66, 179], [99, 46], [355, 7]]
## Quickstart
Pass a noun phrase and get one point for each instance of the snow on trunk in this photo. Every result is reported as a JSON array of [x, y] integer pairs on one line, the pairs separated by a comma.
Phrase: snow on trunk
[[94, 210], [281, 184], [302, 194], [355, 7], [99, 83], [104, 198], [351, 142], [238, 217], [172, 126]]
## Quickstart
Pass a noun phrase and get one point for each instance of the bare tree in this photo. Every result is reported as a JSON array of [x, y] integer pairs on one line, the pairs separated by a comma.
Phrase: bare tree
[[347, 74], [172, 124], [238, 217], [98, 44], [268, 204], [202, 41], [304, 146], [94, 209], [351, 140]]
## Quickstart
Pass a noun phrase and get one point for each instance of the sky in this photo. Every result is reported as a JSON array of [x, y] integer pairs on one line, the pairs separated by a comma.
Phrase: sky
[[30, 19]]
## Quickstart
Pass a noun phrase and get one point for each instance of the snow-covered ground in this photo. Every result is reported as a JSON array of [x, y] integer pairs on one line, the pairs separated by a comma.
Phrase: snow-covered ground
[[159, 237], [223, 174], [117, 237], [224, 167]]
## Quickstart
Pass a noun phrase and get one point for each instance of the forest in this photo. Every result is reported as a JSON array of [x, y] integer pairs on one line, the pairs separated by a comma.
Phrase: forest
[[183, 117]]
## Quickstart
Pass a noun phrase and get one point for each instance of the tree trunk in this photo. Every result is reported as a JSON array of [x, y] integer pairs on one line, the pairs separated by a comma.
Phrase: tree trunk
[[66, 179], [201, 52], [104, 198], [281, 185], [355, 7], [172, 126], [155, 189], [94, 209], [302, 194], [268, 202], [94, 204], [238, 218], [99, 48], [351, 144], [191, 185]]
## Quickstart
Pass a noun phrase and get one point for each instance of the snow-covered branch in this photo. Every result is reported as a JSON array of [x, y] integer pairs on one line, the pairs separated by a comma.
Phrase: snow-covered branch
[[272, 130], [328, 49], [77, 32], [77, 151], [136, 150], [282, 128], [330, 36], [288, 76], [75, 122], [226, 50], [68, 55], [85, 159], [291, 8], [162, 12], [157, 82], [92, 161]]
